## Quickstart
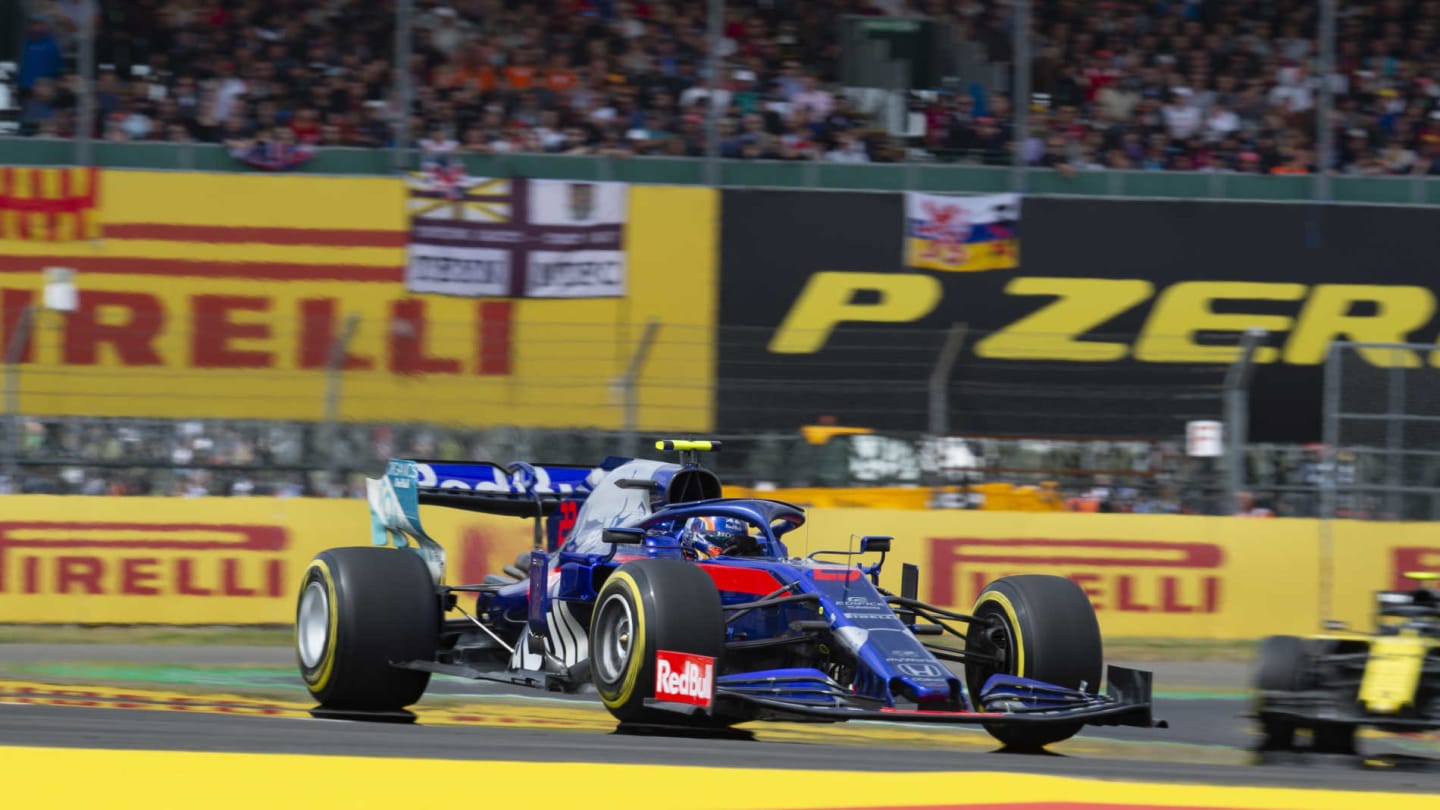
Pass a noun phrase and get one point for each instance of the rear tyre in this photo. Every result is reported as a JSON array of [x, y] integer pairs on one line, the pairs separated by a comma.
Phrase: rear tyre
[[1037, 626], [1280, 667], [359, 609], [1335, 738], [644, 607]]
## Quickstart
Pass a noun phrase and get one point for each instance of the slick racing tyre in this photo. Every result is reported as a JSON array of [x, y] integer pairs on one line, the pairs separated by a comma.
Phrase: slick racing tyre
[[359, 609], [1280, 667], [1041, 627], [646, 607], [1283, 665]]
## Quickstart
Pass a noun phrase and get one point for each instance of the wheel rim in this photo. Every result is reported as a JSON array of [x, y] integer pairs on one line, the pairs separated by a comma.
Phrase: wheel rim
[[1000, 644], [614, 625], [313, 624]]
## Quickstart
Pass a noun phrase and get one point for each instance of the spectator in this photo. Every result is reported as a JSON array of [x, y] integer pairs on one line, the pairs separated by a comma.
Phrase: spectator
[[1220, 123], [1118, 100], [1214, 80], [40, 60], [439, 140], [1397, 158], [1182, 116], [849, 148], [815, 102], [305, 127], [1292, 160], [1246, 506], [38, 109]]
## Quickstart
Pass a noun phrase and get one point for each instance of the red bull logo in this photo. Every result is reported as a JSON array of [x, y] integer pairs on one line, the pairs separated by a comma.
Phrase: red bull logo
[[684, 678]]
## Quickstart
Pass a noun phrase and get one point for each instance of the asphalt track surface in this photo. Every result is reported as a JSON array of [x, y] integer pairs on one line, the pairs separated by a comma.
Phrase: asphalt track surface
[[1205, 744]]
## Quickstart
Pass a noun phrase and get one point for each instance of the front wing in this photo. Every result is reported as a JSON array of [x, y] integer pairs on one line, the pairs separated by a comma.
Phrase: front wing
[[1324, 706], [802, 694]]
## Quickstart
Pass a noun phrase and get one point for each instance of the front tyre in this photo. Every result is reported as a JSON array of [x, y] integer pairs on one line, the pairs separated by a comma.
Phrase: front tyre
[[357, 610], [1040, 627], [1280, 667], [644, 607], [1286, 664]]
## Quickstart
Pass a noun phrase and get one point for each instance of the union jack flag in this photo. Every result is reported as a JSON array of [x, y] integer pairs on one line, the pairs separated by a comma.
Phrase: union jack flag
[[443, 189]]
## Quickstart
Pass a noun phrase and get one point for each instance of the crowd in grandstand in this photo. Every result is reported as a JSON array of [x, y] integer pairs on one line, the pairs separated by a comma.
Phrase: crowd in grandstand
[[1122, 84]]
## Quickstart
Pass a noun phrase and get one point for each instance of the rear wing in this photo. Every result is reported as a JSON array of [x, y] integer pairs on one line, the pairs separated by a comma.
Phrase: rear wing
[[518, 490]]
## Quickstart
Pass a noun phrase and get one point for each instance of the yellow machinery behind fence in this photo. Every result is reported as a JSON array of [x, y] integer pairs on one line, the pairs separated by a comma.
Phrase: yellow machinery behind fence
[[999, 496], [836, 438]]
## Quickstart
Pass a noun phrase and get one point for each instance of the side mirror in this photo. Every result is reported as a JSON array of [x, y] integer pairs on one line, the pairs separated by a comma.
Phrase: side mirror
[[621, 536], [875, 542]]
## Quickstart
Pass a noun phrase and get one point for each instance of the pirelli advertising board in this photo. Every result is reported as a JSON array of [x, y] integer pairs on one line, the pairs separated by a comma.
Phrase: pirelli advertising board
[[474, 301], [1082, 316], [239, 560], [199, 561]]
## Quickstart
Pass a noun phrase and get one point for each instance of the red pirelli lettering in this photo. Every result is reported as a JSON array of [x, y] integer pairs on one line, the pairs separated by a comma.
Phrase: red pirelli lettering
[[64, 557], [132, 338], [1111, 572], [1411, 559], [214, 329]]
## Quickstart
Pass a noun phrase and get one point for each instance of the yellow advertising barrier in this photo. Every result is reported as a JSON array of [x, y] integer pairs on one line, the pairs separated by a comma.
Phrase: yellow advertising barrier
[[235, 561], [222, 295], [199, 561], [1370, 556], [1149, 575]]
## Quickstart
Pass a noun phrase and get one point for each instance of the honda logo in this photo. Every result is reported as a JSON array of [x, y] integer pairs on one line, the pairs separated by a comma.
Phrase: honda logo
[[922, 670]]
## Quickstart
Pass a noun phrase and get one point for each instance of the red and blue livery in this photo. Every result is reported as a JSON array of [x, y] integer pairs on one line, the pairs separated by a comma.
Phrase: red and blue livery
[[679, 607]]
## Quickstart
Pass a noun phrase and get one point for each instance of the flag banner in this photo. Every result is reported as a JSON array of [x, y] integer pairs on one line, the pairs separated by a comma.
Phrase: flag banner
[[274, 156], [962, 234], [514, 237], [49, 204], [579, 252]]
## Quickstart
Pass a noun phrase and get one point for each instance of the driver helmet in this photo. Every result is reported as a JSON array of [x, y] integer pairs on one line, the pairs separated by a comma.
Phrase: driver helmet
[[708, 537]]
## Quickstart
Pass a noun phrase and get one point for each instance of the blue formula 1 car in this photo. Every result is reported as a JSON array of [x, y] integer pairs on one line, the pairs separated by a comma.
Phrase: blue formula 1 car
[[680, 607]]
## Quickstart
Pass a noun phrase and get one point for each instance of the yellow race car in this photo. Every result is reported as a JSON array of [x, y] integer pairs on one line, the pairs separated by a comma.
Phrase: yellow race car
[[1331, 683]]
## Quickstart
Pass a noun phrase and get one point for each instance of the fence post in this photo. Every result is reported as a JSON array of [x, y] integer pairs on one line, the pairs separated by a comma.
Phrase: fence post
[[403, 92], [84, 136], [630, 388], [1329, 478], [14, 353], [940, 380], [1325, 104], [334, 376], [714, 33], [1020, 98], [1394, 438], [1237, 415]]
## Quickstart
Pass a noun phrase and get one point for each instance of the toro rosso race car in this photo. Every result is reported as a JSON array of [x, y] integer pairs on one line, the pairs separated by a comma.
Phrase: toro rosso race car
[[1331, 683], [683, 608]]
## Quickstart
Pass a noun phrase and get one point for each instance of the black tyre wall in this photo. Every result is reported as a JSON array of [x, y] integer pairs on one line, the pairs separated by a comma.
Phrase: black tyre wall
[[1281, 664], [679, 607], [1280, 667], [385, 608], [1053, 624]]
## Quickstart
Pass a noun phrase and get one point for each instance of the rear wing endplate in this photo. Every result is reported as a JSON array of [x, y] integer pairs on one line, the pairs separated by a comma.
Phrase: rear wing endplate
[[519, 490]]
